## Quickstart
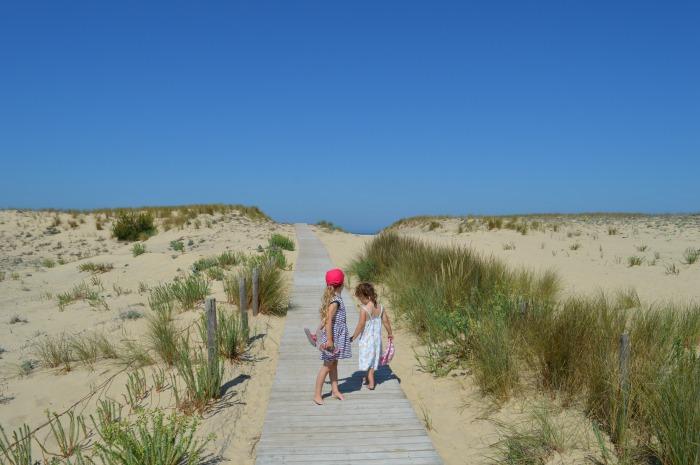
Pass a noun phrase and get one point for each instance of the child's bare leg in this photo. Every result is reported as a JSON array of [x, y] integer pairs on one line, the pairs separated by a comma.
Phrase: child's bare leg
[[370, 378], [320, 379], [334, 381]]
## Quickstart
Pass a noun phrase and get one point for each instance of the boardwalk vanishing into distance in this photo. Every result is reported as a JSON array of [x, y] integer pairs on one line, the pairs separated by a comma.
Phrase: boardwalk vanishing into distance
[[380, 425]]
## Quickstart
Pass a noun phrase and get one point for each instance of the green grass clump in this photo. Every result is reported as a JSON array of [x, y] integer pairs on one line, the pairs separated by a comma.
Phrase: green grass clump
[[152, 439], [177, 246], [612, 231], [225, 261], [202, 380], [133, 226], [634, 260], [138, 248], [232, 334], [21, 452], [162, 334], [81, 291], [48, 263], [329, 226], [691, 255], [282, 242], [185, 292], [273, 298], [54, 351], [95, 268]]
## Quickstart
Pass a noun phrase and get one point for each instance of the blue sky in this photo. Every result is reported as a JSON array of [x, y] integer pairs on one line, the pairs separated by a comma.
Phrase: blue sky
[[357, 112]]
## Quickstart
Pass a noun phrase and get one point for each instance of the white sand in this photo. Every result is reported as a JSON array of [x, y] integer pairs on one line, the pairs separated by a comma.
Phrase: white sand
[[29, 291], [463, 422]]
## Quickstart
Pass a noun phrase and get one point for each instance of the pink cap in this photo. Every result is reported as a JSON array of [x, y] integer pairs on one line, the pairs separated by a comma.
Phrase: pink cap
[[335, 277]]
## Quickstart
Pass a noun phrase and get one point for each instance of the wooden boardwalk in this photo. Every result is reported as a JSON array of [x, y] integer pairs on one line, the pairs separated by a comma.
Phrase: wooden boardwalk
[[379, 424]]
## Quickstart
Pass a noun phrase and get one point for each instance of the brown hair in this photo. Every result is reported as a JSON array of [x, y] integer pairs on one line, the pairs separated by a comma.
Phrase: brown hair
[[367, 291]]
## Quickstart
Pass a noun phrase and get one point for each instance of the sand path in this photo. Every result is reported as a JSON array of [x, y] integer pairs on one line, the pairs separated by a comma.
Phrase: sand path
[[378, 424]]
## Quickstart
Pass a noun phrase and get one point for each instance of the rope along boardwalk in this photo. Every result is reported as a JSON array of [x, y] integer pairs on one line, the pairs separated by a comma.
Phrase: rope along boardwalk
[[379, 424]]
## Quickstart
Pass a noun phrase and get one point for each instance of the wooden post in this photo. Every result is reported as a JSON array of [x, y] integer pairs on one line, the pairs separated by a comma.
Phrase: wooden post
[[256, 291], [242, 301], [212, 344], [624, 383], [523, 307], [624, 364]]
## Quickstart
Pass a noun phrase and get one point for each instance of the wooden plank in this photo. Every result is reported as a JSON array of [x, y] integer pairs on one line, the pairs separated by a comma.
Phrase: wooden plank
[[378, 425]]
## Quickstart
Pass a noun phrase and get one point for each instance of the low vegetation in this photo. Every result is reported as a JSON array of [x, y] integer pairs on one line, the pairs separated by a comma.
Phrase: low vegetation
[[202, 380], [273, 298], [131, 225], [691, 255], [186, 293], [232, 333], [281, 242], [510, 328], [138, 248], [95, 268], [329, 226]]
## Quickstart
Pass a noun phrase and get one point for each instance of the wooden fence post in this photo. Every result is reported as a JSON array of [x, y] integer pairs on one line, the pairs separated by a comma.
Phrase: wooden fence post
[[242, 300], [212, 343], [624, 382], [256, 291]]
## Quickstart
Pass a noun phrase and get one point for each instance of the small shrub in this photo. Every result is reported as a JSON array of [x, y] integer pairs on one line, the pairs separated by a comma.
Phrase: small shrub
[[282, 242], [494, 223], [130, 315], [153, 439], [575, 246], [640, 248], [433, 225], [177, 246], [95, 268], [17, 319], [138, 249], [691, 255], [26, 367], [672, 269], [132, 226], [612, 231], [509, 246], [48, 263], [634, 261]]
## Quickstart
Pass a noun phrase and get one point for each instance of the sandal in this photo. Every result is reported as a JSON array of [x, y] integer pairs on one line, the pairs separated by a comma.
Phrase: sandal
[[310, 337]]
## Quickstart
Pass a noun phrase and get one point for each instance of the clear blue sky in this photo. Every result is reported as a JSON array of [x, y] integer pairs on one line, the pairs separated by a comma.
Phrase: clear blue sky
[[357, 112]]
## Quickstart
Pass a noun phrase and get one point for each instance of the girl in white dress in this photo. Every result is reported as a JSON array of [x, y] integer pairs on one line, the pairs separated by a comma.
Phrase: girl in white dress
[[369, 328]]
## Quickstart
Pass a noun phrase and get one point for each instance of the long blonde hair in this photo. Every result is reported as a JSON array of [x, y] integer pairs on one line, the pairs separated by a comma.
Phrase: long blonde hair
[[328, 295]]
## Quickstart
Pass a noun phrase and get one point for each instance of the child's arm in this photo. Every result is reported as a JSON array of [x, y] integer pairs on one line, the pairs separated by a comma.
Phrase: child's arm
[[332, 308], [360, 325], [387, 324]]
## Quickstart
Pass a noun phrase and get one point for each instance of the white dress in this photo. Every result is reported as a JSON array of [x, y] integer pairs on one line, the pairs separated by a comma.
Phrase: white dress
[[371, 340]]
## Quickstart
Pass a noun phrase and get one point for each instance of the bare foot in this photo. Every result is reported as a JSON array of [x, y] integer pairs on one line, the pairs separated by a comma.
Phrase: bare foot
[[338, 396], [318, 401]]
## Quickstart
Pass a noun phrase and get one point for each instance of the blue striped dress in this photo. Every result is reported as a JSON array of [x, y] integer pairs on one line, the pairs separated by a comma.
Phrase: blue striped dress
[[340, 334]]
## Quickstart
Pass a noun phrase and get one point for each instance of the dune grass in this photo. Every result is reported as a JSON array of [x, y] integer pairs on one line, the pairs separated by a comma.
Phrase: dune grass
[[691, 255], [329, 226], [509, 326], [281, 241], [186, 293], [95, 268], [232, 334], [21, 453], [273, 297], [202, 380], [139, 248], [162, 334]]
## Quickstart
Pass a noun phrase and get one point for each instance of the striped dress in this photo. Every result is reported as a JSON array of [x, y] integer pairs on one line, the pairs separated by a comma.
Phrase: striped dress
[[341, 340]]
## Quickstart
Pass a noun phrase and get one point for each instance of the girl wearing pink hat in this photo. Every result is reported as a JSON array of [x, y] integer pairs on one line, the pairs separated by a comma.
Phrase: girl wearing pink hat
[[333, 338]]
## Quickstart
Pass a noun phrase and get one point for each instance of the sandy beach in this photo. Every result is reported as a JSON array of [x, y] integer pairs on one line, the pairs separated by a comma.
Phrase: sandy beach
[[40, 257]]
